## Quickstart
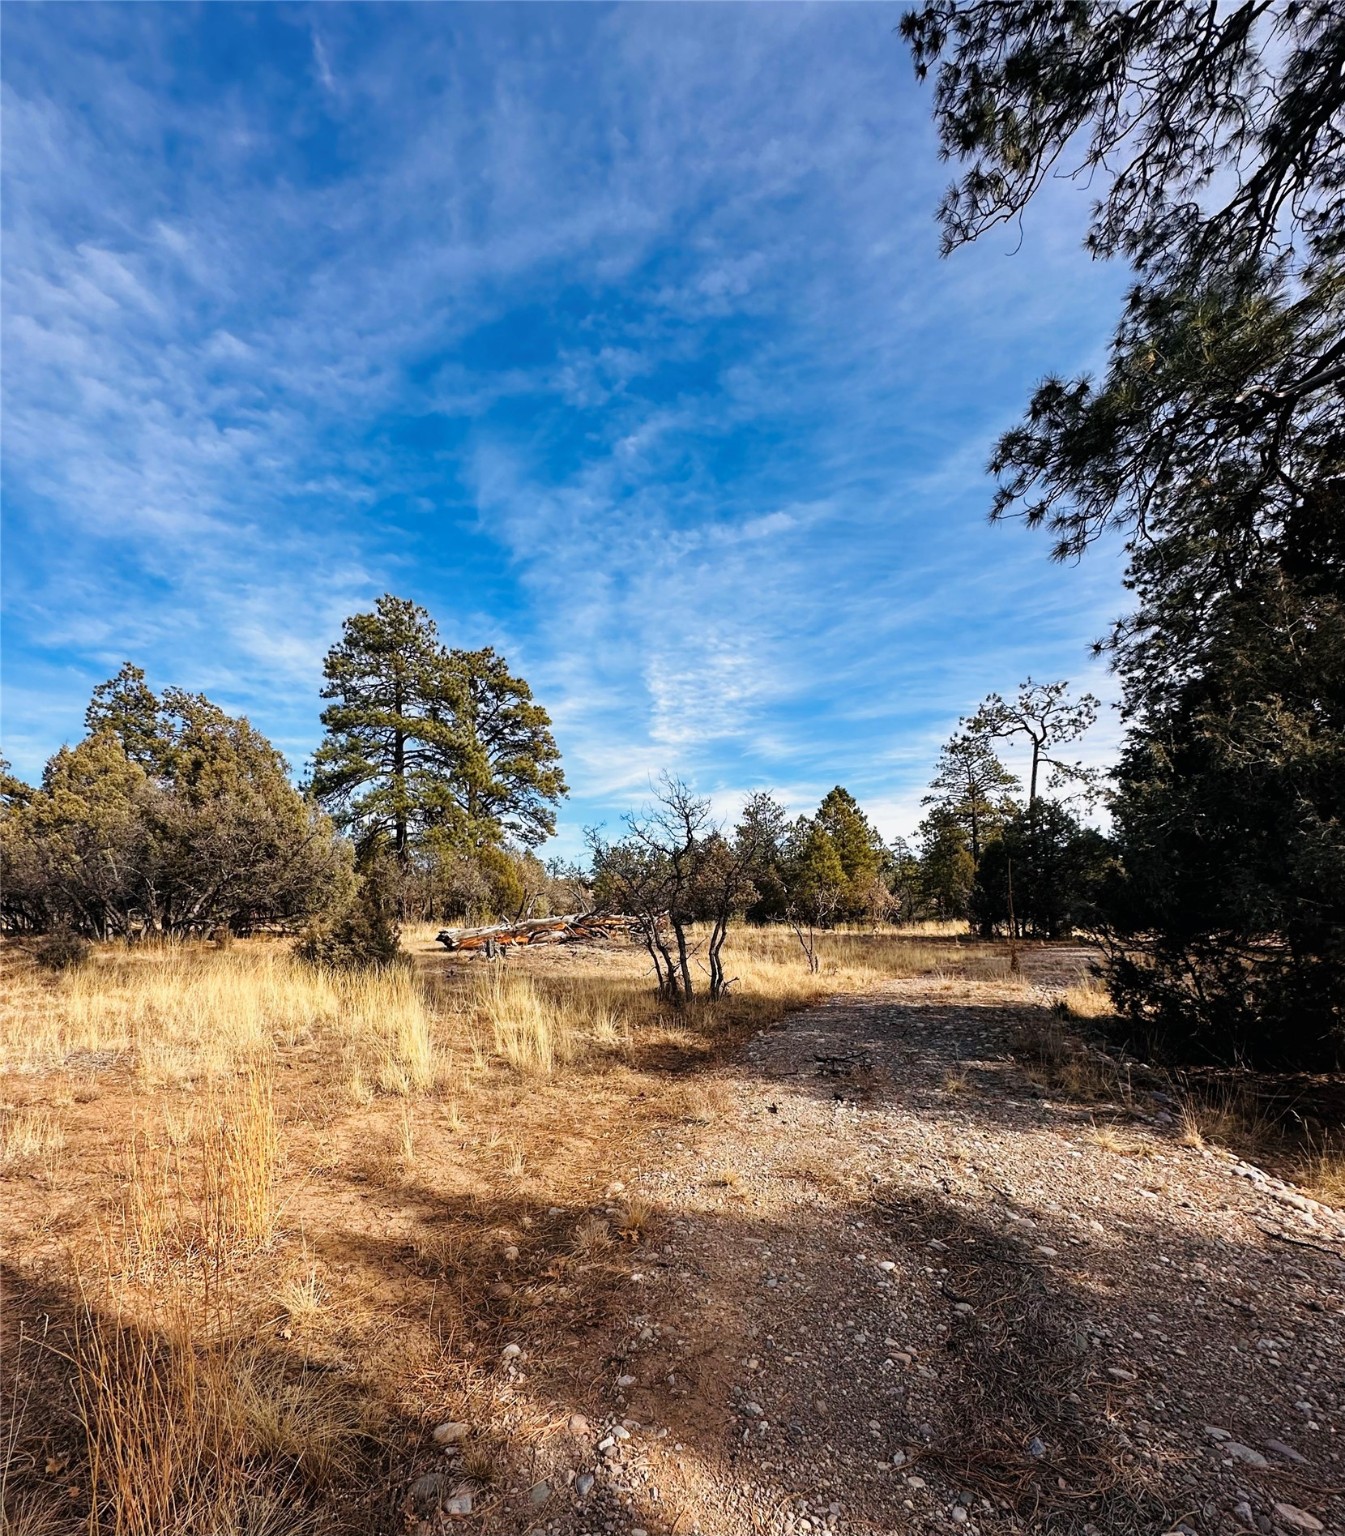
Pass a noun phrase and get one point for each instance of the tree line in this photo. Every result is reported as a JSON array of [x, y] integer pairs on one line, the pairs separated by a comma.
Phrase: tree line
[[436, 780], [437, 777]]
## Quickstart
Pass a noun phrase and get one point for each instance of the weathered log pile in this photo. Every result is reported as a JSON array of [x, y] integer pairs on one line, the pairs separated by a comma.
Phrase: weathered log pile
[[577, 928]]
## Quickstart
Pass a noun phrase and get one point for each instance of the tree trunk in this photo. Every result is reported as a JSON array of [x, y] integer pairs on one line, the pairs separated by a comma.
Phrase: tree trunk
[[717, 936], [399, 839], [683, 959]]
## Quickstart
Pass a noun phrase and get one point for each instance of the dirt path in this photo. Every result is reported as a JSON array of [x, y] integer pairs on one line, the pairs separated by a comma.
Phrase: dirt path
[[900, 1289]]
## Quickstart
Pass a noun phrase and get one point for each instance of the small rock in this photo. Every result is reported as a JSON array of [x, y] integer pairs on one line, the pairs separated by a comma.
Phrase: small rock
[[1118, 1373], [427, 1493], [512, 1351], [1285, 1452], [1215, 1433], [964, 1307], [620, 1432], [583, 1484], [959, 1515], [578, 1424], [500, 1291], [459, 1504], [539, 1493], [1297, 1201], [1245, 1453], [1046, 1253], [915, 1482], [450, 1434], [1036, 1447], [887, 1266], [1242, 1513], [511, 1253], [607, 1443], [1299, 1519], [625, 1381]]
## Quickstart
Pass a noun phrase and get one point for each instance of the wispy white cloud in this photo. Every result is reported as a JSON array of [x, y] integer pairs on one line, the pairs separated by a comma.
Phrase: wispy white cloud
[[619, 341]]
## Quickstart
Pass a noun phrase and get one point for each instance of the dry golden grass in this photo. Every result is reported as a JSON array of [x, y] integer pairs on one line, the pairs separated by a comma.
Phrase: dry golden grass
[[1087, 999], [1068, 1066], [181, 1014], [181, 1415], [1321, 1173], [30, 1138], [1228, 1115], [1109, 1139], [240, 1153], [633, 1217], [267, 1170], [592, 1237]]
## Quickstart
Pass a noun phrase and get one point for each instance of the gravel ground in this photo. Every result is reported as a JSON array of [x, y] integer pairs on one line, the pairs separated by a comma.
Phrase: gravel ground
[[893, 1287]]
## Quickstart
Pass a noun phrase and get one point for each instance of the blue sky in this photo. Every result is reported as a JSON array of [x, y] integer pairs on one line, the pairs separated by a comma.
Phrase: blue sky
[[618, 337]]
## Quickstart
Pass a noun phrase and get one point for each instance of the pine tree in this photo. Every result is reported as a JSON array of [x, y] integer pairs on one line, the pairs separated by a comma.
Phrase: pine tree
[[431, 747], [509, 777], [395, 743], [971, 784]]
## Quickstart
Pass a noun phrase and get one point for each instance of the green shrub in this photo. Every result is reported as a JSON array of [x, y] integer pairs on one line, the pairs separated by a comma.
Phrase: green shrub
[[366, 931]]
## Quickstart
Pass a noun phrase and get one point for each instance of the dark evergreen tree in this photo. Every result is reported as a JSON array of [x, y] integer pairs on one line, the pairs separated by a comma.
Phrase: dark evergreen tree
[[947, 869], [200, 829], [972, 785], [509, 778], [428, 747], [1213, 143], [394, 742], [1050, 866]]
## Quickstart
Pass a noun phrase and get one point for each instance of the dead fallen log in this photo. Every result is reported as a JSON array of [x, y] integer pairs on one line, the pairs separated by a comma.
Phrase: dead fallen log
[[576, 928]]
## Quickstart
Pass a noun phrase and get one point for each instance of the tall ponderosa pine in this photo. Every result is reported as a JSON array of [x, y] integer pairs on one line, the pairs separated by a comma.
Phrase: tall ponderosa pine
[[394, 742], [1213, 140], [1046, 715], [427, 744], [510, 776]]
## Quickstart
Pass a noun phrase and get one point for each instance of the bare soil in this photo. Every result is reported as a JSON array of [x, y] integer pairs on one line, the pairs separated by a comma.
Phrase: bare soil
[[895, 1287]]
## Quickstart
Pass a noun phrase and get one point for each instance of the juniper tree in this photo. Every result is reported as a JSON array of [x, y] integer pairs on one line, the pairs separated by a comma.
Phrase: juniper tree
[[200, 829]]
